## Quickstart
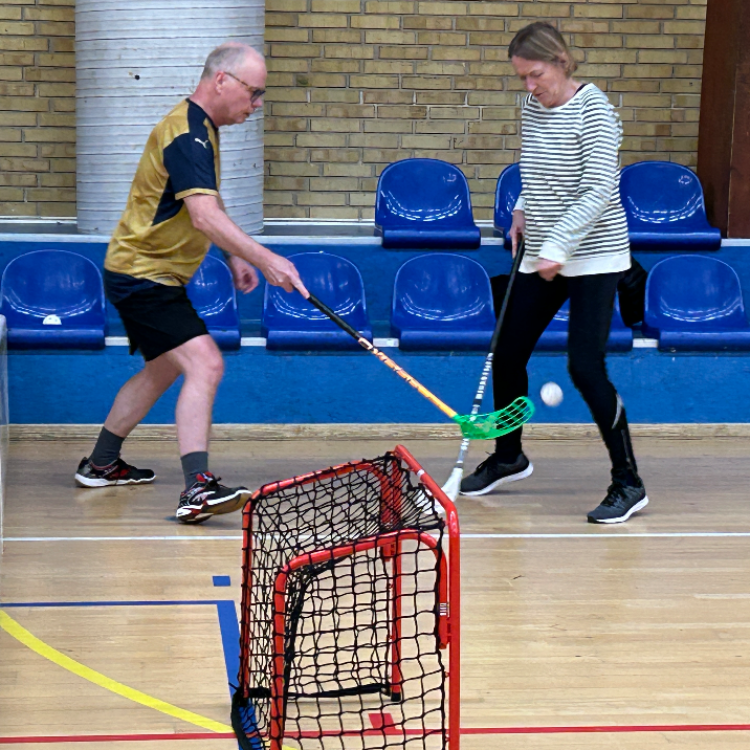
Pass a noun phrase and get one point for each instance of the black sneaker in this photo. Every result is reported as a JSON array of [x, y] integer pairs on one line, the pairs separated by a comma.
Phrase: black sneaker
[[118, 472], [491, 473], [621, 502], [206, 497]]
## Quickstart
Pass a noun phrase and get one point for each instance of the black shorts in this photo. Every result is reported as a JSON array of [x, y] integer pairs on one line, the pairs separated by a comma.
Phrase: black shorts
[[159, 319]]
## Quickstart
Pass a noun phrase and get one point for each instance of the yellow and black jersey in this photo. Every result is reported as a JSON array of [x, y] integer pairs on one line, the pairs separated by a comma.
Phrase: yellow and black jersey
[[155, 239]]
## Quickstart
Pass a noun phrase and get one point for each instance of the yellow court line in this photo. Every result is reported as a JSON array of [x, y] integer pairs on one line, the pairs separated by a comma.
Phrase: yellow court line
[[17, 631]]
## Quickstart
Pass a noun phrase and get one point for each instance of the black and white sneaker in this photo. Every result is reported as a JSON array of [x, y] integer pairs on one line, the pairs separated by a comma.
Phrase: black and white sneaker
[[118, 472], [491, 473], [206, 497], [621, 502]]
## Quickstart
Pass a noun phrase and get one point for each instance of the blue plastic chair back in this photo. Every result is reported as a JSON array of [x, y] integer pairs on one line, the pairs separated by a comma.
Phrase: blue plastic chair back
[[555, 337], [425, 203], [506, 194], [53, 299], [212, 292], [665, 208], [290, 322], [443, 302], [695, 302]]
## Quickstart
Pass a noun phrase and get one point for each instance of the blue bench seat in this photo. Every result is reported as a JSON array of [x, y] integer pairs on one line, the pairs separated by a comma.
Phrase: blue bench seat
[[665, 208], [290, 322], [695, 303], [506, 196], [53, 299], [425, 204], [442, 301]]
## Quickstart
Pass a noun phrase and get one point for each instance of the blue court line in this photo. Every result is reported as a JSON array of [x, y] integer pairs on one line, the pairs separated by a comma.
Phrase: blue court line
[[230, 633], [230, 640]]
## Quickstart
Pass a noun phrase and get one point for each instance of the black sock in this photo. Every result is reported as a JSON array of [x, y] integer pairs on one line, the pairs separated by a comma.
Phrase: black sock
[[193, 464], [107, 448]]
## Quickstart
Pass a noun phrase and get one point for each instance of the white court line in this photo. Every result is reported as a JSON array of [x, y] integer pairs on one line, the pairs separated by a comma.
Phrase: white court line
[[122, 538], [238, 537], [387, 343], [622, 535]]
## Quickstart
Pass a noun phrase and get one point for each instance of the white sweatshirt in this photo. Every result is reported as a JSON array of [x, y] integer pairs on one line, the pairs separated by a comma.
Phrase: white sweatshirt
[[571, 185]]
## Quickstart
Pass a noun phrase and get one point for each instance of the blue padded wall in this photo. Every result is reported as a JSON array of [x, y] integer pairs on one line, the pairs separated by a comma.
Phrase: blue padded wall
[[261, 386]]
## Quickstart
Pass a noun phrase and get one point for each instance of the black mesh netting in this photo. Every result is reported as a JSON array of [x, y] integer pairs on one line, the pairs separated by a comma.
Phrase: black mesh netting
[[353, 634]]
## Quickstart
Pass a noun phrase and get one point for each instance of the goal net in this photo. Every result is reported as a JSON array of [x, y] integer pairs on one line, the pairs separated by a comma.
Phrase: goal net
[[349, 603]]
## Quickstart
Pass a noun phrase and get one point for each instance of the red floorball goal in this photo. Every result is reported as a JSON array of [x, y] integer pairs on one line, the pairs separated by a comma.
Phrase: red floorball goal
[[350, 611]]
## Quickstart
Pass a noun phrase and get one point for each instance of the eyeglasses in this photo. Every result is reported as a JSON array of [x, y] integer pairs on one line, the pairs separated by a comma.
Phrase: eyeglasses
[[255, 94]]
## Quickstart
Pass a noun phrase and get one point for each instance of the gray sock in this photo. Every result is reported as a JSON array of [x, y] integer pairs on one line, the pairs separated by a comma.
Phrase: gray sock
[[193, 464], [107, 448]]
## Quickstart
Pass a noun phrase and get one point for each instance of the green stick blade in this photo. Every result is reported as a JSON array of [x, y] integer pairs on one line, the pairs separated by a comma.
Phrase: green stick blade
[[496, 423]]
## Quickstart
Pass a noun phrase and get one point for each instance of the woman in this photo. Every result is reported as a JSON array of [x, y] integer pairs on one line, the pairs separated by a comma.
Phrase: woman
[[577, 247]]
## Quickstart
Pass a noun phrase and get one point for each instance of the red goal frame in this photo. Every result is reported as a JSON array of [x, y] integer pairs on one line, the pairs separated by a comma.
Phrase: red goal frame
[[448, 626]]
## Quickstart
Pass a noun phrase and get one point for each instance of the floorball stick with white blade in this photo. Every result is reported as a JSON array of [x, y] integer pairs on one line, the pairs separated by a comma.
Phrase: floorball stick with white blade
[[453, 485]]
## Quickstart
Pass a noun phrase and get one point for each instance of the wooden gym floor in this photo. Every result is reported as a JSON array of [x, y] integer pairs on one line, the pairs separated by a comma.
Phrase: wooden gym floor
[[634, 636]]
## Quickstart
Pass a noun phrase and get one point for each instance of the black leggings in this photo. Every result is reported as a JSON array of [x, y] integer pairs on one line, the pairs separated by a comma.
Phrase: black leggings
[[533, 304]]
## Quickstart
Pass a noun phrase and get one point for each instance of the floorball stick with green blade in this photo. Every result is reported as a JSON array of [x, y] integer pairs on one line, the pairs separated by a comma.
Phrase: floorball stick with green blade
[[474, 426], [524, 405]]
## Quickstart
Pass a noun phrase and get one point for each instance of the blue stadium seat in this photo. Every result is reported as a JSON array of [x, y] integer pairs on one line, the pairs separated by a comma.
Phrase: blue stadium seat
[[212, 292], [555, 337], [506, 194], [665, 208], [694, 303], [290, 322], [53, 299], [425, 203], [442, 301]]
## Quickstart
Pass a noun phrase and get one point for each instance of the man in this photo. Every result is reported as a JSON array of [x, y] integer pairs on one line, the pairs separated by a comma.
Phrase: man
[[174, 212]]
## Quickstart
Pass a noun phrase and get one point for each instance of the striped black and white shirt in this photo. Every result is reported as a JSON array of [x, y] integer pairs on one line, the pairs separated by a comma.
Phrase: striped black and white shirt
[[571, 185]]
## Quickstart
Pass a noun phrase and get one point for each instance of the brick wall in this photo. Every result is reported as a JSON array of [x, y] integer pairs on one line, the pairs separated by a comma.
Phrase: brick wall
[[37, 108], [357, 84]]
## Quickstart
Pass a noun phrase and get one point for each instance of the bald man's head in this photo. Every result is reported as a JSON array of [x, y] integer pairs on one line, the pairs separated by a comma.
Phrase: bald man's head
[[232, 85], [230, 57]]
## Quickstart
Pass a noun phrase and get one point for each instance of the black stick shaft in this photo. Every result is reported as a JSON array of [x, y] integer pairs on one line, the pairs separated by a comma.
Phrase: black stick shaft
[[506, 299], [337, 319]]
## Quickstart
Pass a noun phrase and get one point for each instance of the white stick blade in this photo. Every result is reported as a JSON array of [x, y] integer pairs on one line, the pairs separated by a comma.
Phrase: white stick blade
[[453, 485]]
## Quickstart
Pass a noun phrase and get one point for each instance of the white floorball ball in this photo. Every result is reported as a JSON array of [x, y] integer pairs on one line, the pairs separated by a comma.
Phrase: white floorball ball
[[551, 394]]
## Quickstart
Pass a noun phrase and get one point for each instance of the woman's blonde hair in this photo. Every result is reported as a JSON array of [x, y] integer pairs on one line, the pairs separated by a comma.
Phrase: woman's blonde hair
[[542, 41]]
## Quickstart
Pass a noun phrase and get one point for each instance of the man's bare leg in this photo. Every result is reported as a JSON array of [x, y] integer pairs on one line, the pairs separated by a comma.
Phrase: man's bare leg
[[200, 362], [135, 399]]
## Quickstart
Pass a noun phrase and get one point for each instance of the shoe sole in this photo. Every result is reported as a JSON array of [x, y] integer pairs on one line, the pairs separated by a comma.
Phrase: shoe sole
[[225, 505], [640, 505], [503, 480], [82, 481]]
